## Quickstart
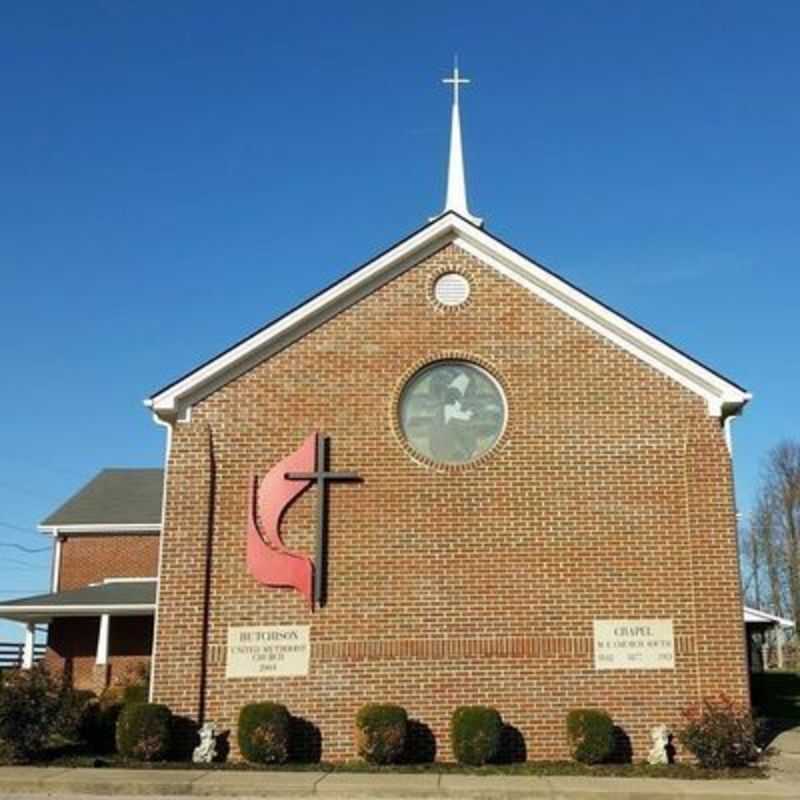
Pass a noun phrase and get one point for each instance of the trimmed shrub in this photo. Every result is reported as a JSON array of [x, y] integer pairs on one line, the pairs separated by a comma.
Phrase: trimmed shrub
[[143, 731], [590, 732], [263, 733], [475, 734], [28, 711], [719, 733], [381, 733]]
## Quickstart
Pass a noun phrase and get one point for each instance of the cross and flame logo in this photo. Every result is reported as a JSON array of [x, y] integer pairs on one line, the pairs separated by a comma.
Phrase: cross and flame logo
[[268, 559]]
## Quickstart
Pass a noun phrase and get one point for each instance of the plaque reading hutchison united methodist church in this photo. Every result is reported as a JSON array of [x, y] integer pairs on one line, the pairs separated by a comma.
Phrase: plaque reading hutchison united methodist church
[[268, 650], [634, 644]]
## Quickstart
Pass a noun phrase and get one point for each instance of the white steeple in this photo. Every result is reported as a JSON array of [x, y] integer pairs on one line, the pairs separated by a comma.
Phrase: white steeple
[[456, 184]]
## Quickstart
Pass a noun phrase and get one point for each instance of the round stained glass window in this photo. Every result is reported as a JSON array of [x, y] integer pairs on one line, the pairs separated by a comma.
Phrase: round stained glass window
[[452, 412]]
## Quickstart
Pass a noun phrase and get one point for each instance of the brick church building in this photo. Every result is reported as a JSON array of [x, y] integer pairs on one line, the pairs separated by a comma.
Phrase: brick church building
[[450, 478]]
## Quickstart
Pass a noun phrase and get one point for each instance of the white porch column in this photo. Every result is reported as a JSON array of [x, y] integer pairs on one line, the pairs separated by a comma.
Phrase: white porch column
[[102, 641], [27, 653]]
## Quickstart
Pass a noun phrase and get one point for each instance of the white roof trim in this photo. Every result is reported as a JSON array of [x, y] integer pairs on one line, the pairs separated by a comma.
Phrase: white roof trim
[[99, 608], [722, 397], [44, 613], [756, 615], [108, 527]]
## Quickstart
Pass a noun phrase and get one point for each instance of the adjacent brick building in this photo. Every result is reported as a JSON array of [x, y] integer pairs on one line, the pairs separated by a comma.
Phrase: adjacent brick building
[[99, 614]]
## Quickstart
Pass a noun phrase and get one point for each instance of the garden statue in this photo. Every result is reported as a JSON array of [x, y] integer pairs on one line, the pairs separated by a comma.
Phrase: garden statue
[[206, 751], [660, 751]]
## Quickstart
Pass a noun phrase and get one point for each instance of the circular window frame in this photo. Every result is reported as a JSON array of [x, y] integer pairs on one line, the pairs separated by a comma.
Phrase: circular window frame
[[489, 370]]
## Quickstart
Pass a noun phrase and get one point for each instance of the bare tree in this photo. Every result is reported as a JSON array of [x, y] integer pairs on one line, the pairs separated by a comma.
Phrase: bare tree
[[750, 548], [771, 545]]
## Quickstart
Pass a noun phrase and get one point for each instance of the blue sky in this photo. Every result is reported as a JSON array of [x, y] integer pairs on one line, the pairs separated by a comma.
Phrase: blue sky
[[175, 174]]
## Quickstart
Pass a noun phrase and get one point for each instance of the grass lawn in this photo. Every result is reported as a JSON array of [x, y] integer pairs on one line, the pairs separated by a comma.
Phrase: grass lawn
[[776, 695]]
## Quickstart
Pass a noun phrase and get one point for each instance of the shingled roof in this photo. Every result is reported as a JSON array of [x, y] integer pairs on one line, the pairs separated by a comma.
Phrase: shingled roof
[[114, 497], [113, 596]]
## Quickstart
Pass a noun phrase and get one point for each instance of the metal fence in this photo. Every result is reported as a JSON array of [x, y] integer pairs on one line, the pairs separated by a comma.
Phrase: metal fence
[[11, 654]]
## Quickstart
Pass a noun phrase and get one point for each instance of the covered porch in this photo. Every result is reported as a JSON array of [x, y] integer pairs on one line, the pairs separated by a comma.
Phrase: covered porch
[[767, 637], [95, 633]]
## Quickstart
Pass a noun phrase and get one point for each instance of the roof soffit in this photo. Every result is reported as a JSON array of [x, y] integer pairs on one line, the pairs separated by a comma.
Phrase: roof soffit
[[721, 395]]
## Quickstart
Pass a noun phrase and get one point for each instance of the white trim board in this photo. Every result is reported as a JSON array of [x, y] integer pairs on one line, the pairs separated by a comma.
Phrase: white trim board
[[721, 395], [56, 611], [107, 527]]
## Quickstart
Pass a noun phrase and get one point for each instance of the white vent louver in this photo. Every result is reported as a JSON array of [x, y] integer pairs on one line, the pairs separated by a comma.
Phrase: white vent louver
[[451, 289]]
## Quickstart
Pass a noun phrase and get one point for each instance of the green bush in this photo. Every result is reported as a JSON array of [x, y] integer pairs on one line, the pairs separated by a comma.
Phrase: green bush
[[381, 733], [590, 732], [263, 733], [28, 710], [73, 707], [720, 733], [143, 731], [475, 734]]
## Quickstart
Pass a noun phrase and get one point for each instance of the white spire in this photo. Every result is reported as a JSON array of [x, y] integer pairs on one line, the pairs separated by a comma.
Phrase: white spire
[[456, 184]]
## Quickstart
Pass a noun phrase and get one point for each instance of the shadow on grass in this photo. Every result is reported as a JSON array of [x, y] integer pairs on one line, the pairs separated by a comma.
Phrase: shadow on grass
[[513, 749], [420, 744], [305, 741]]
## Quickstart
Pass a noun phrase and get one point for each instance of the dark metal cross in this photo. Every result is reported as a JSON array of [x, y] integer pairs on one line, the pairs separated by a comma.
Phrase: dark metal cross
[[322, 476]]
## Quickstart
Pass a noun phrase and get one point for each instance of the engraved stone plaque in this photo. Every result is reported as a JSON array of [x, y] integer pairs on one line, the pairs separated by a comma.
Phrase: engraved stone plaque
[[634, 644], [264, 651]]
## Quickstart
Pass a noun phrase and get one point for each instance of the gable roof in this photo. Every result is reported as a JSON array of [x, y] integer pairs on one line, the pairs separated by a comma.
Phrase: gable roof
[[114, 500], [175, 400]]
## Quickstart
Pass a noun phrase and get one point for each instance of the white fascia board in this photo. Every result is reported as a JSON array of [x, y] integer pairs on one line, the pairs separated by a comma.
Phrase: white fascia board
[[174, 401], [721, 396], [110, 527], [77, 610]]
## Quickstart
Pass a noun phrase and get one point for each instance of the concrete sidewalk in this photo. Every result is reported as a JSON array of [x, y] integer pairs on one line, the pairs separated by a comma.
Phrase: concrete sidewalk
[[276, 785]]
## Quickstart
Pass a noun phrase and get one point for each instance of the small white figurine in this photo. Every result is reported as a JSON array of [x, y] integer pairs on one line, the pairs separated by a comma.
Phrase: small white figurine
[[661, 741], [206, 751]]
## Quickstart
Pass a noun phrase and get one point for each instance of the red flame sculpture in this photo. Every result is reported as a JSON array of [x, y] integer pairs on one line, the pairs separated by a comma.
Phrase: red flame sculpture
[[268, 560]]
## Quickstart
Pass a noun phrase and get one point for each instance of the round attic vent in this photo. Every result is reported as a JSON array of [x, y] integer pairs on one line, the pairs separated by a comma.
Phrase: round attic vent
[[451, 289]]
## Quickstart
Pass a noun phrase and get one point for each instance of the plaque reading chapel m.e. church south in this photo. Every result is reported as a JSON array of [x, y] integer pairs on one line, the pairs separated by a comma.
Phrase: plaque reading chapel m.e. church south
[[265, 651], [634, 644]]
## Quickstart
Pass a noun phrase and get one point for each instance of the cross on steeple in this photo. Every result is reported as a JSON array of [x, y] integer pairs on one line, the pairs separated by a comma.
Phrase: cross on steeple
[[456, 199], [456, 81]]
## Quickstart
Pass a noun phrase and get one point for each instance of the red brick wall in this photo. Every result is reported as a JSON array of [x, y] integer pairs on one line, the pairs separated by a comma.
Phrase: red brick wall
[[91, 559], [72, 648], [609, 496]]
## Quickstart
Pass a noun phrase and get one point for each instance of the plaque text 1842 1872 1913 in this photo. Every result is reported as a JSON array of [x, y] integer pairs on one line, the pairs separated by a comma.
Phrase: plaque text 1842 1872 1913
[[634, 644]]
